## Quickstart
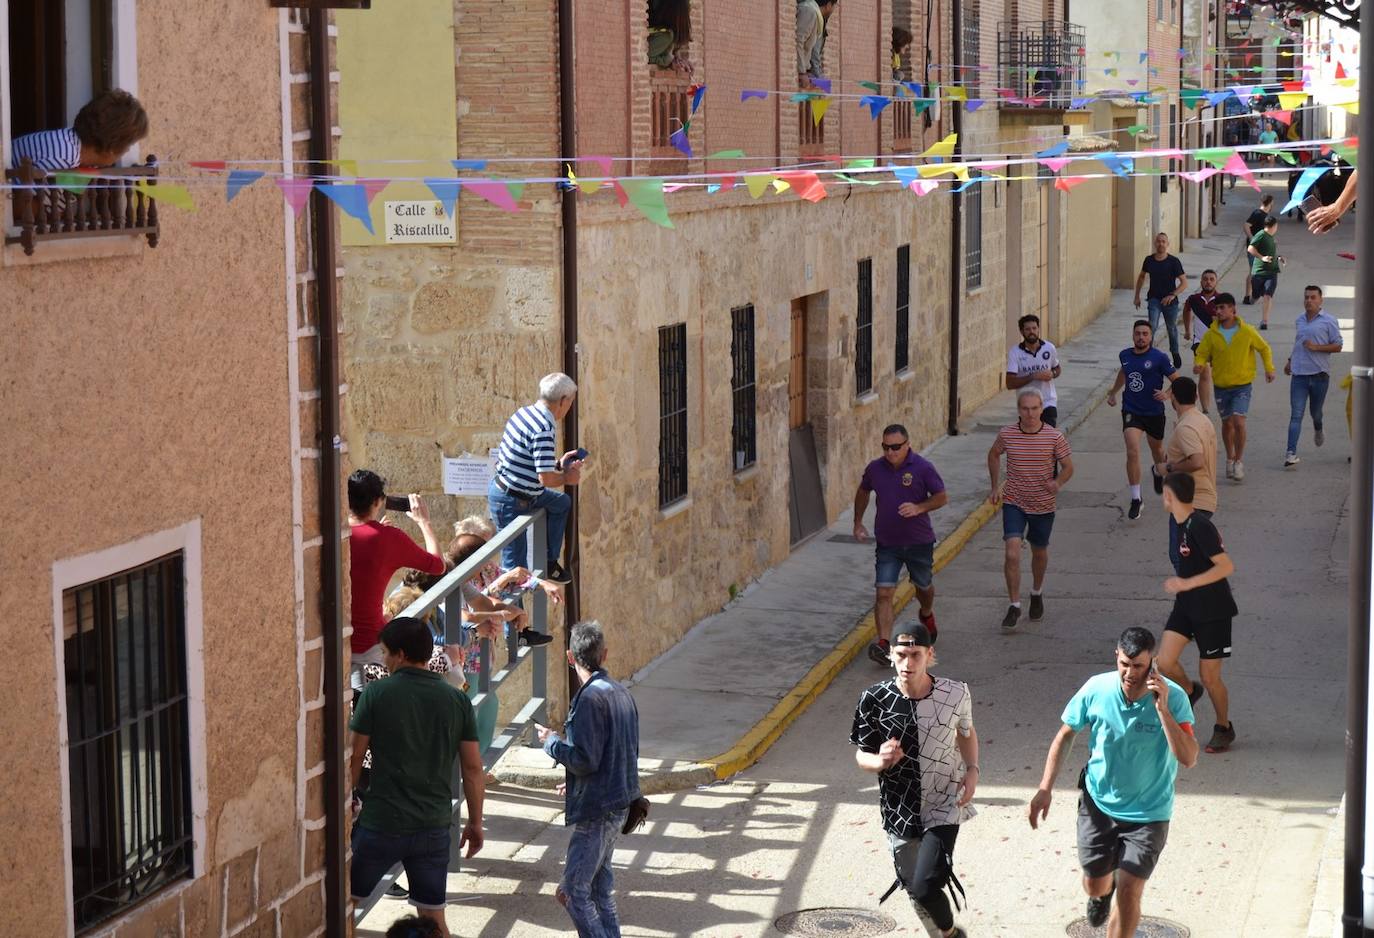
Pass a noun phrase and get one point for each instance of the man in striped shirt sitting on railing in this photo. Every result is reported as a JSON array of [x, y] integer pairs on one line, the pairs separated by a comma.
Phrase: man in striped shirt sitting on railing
[[526, 473], [104, 129]]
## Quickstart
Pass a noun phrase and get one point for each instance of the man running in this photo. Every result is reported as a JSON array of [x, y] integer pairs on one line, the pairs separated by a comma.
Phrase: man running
[[1203, 607], [909, 489], [1192, 449], [1265, 264], [1034, 363], [1144, 370], [1253, 225], [1319, 335], [1140, 729], [1167, 283], [1034, 452], [1202, 307], [1230, 346], [915, 732]]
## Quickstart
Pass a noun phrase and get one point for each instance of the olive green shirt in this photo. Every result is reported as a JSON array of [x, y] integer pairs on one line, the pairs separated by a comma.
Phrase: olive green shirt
[[1264, 242]]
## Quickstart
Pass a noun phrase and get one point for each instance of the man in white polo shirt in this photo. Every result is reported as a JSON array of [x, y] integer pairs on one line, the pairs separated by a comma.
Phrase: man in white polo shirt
[[1034, 363]]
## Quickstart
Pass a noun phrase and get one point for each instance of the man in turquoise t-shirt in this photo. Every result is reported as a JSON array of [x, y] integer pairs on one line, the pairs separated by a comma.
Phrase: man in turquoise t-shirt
[[1140, 728]]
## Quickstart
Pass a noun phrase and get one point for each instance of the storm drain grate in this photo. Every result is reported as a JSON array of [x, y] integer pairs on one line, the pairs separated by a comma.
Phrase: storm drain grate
[[834, 923], [1150, 927]]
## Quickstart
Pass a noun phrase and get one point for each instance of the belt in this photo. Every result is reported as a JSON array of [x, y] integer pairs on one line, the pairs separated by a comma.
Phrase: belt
[[501, 484]]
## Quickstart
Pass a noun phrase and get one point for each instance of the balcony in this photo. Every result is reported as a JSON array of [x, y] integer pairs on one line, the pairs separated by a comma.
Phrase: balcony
[[1040, 65], [109, 205], [901, 126], [670, 107]]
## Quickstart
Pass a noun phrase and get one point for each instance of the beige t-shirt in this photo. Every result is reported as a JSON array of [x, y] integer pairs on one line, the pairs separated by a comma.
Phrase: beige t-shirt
[[1194, 433]]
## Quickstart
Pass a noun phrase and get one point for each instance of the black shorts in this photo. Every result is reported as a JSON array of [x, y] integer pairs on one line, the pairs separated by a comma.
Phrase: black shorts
[[1152, 424], [1050, 416], [1106, 844], [1213, 636]]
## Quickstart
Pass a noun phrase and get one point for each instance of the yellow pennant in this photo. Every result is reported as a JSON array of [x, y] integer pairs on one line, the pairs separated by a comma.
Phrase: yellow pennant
[[781, 185], [944, 148], [168, 194], [757, 183], [956, 93], [818, 108], [1289, 100]]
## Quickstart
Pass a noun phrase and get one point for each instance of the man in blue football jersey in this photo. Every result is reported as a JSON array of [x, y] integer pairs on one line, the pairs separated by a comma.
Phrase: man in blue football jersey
[[1145, 370]]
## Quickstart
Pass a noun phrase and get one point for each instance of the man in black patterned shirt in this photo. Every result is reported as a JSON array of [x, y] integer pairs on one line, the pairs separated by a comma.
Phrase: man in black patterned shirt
[[915, 732]]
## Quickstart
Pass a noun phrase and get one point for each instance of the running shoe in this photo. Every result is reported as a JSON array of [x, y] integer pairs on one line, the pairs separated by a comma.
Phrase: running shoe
[[1238, 471], [1318, 437], [878, 652], [1230, 469], [1037, 609], [1290, 460], [1222, 738], [558, 574], [529, 638], [1178, 360], [928, 620], [1134, 511], [1158, 480], [1264, 327], [1249, 301], [1009, 620], [1100, 908], [1196, 693]]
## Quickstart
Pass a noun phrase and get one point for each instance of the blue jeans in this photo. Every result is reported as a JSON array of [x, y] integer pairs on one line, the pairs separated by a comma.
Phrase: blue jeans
[[1170, 314], [919, 560], [587, 879], [505, 508], [1175, 539], [424, 854], [1305, 391]]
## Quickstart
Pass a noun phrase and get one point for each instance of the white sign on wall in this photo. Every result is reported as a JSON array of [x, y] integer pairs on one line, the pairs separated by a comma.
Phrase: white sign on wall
[[420, 222], [468, 475]]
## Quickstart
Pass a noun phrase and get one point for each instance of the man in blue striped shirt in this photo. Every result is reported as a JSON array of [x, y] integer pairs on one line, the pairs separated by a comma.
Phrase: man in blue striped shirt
[[527, 472]]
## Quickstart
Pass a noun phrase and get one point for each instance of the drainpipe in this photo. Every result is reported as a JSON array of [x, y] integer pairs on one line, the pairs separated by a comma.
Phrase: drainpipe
[[567, 138], [956, 255], [331, 567], [1358, 917]]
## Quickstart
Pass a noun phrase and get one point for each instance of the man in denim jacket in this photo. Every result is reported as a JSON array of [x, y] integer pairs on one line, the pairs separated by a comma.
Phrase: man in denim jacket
[[601, 755]]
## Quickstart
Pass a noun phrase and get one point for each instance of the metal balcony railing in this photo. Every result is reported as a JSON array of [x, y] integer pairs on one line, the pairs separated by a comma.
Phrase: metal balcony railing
[[109, 204], [1040, 64], [447, 594]]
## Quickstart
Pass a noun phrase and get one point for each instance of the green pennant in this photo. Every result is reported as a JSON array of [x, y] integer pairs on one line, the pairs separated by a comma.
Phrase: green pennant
[[1135, 129], [75, 183], [1191, 97], [647, 196], [872, 86], [1215, 156], [516, 190], [1281, 154], [1346, 152], [726, 155], [861, 164], [919, 107]]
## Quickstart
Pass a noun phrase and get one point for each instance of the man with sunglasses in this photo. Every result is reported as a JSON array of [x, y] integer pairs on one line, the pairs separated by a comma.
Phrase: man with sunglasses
[[908, 489]]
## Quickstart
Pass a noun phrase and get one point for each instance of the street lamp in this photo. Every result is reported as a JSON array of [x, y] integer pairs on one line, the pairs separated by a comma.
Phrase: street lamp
[[1238, 14]]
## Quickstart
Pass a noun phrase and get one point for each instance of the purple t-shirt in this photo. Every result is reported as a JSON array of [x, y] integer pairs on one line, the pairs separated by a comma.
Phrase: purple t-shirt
[[914, 480]]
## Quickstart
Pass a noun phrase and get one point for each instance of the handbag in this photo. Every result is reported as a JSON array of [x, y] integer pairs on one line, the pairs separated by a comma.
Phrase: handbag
[[636, 816]]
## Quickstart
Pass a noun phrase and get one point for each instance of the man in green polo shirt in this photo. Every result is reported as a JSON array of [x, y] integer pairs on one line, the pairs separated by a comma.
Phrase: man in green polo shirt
[[416, 724]]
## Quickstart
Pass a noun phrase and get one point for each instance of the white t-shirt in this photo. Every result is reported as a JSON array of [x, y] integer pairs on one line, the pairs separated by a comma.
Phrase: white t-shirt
[[1021, 362]]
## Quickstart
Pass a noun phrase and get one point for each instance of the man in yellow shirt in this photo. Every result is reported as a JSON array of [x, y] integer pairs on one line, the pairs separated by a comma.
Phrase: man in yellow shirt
[[1230, 346]]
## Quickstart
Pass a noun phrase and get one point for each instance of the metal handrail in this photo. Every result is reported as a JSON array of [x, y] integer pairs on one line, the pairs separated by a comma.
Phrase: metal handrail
[[447, 593]]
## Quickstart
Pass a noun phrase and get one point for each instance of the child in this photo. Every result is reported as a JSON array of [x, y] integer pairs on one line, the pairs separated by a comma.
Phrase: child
[[104, 129]]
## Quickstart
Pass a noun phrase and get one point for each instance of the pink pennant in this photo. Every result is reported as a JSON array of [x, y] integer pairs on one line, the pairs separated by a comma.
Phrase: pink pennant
[[1198, 175], [604, 162], [1132, 81], [1057, 163], [296, 190], [923, 186], [494, 192], [373, 186], [674, 186], [1236, 167], [1283, 117]]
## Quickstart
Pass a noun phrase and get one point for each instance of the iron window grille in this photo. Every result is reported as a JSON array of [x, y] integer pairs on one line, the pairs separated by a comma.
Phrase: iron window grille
[[1041, 64], [863, 333], [973, 236], [124, 659], [672, 411], [743, 426], [972, 48], [902, 359]]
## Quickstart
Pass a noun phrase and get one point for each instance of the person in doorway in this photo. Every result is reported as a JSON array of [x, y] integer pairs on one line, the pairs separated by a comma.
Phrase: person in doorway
[[1140, 728], [670, 33], [1230, 347], [909, 489], [1265, 264], [1203, 607], [1202, 307], [901, 49], [1034, 452], [1318, 337], [1034, 363], [1192, 448], [1167, 283], [1143, 374], [1253, 225], [812, 17], [915, 732]]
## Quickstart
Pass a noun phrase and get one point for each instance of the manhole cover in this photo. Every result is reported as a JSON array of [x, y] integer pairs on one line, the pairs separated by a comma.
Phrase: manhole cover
[[851, 923], [1149, 927]]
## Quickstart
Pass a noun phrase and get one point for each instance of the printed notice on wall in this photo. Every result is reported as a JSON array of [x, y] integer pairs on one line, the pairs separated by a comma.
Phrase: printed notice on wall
[[423, 222], [468, 475]]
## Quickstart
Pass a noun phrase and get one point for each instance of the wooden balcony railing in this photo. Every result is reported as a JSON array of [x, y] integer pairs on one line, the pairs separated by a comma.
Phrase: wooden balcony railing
[[670, 104], [108, 205], [901, 126], [810, 133]]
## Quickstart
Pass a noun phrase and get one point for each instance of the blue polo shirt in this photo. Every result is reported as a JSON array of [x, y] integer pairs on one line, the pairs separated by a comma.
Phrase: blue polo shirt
[[1131, 769], [912, 480]]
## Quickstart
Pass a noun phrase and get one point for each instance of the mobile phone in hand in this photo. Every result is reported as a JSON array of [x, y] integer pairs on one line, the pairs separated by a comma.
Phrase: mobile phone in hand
[[1310, 204], [398, 502]]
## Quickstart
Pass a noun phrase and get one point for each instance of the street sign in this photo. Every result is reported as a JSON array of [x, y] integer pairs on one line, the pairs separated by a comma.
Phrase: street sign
[[419, 222]]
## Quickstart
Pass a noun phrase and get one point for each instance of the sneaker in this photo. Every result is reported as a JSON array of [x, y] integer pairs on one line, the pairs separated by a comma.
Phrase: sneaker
[[1158, 480], [1230, 469], [878, 652], [1178, 360], [928, 621], [397, 891], [1037, 609], [958, 933], [1248, 301], [1009, 620], [1222, 738], [1196, 693], [531, 639], [1264, 327], [557, 574], [1290, 460], [1238, 471], [1318, 437], [1134, 511], [1100, 908]]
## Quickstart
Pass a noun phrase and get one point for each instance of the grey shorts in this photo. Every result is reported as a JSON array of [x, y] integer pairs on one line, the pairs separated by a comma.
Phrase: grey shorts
[[1106, 844]]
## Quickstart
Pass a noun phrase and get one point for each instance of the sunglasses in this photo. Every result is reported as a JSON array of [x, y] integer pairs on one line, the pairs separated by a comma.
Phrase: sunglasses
[[893, 447]]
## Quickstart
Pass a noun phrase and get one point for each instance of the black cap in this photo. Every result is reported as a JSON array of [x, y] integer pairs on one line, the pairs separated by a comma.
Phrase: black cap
[[911, 633]]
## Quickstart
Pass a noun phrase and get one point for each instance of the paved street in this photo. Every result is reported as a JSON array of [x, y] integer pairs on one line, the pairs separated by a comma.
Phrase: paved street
[[800, 829]]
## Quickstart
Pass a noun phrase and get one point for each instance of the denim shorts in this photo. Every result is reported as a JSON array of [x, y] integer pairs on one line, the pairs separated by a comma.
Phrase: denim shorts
[[919, 560], [1233, 401], [424, 854], [1263, 284], [1015, 523]]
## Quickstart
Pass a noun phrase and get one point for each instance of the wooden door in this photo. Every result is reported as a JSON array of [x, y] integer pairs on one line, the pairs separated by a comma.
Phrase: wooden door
[[796, 380]]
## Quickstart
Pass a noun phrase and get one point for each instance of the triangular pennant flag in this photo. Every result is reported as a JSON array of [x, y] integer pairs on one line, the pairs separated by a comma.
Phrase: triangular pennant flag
[[1290, 100], [446, 191], [1348, 151], [296, 191], [372, 187], [955, 93], [1121, 165], [973, 104], [1135, 130], [712, 188], [808, 186], [1217, 156], [1292, 86], [1144, 57], [945, 148], [748, 93], [727, 155], [757, 183], [906, 175], [821, 83], [1340, 71], [920, 107], [679, 139], [1065, 183], [584, 186], [647, 196], [1191, 98], [924, 186], [351, 198], [494, 192], [697, 94], [75, 183], [1198, 175], [167, 193], [1057, 163], [346, 167], [516, 190], [1216, 97], [1050, 152], [781, 185], [872, 86], [914, 87], [220, 166], [238, 180], [875, 103], [474, 165], [1309, 176], [1077, 103], [1236, 167], [818, 109]]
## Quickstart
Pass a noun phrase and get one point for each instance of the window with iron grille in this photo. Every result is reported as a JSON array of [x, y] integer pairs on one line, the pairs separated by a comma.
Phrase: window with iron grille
[[742, 427], [124, 660], [903, 348], [672, 413], [972, 40], [863, 333], [973, 236]]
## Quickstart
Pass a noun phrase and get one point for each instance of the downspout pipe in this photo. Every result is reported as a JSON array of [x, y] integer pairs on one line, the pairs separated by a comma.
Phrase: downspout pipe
[[567, 138], [956, 254], [1358, 916], [331, 565]]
